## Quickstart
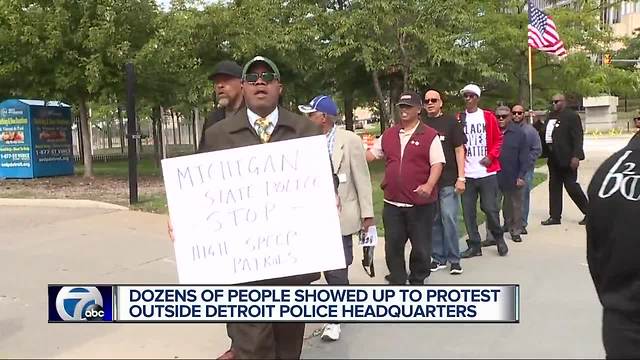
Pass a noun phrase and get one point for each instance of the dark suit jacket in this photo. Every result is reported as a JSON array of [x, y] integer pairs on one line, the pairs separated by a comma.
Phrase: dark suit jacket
[[567, 136], [213, 117], [236, 131]]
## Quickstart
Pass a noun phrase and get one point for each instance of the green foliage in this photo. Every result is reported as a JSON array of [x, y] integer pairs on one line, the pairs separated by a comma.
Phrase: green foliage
[[74, 50]]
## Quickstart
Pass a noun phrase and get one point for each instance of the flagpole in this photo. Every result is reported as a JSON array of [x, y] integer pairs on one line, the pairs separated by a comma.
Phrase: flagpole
[[530, 87]]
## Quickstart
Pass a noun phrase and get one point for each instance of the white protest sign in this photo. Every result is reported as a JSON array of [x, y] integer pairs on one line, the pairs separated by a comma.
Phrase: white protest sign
[[254, 212]]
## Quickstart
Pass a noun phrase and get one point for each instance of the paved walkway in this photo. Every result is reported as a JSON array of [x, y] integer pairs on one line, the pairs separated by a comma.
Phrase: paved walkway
[[42, 245]]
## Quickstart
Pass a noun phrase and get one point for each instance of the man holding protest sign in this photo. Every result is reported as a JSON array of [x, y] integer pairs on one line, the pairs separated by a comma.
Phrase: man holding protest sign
[[349, 162], [263, 121]]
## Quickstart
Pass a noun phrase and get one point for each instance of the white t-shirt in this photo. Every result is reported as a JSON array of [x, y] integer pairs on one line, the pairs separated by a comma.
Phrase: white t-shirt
[[548, 135], [476, 130]]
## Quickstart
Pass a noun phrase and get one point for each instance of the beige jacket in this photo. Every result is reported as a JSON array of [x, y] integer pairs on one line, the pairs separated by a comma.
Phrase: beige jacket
[[354, 189]]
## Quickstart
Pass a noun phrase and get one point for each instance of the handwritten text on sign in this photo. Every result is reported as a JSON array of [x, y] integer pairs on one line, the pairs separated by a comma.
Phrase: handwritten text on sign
[[253, 213]]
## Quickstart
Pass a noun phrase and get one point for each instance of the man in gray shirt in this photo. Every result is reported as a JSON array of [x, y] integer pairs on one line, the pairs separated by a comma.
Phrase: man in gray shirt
[[535, 149]]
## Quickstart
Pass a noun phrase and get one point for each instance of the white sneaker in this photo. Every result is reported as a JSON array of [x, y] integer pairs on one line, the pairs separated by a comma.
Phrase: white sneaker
[[331, 332]]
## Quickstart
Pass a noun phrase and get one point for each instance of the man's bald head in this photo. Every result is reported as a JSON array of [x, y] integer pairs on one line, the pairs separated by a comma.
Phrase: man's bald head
[[433, 102], [559, 102], [518, 113], [503, 113]]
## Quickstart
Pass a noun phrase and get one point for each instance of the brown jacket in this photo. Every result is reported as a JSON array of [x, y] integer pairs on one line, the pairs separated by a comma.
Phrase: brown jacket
[[236, 131]]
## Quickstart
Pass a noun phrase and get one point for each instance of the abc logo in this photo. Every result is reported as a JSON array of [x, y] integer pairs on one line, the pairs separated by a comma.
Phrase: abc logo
[[80, 303]]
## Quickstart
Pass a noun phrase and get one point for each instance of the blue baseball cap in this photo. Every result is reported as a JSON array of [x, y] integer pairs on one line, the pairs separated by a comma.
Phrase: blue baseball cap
[[320, 103]]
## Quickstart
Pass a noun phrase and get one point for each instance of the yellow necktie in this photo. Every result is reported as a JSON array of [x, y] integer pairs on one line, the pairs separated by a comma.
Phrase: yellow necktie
[[262, 126]]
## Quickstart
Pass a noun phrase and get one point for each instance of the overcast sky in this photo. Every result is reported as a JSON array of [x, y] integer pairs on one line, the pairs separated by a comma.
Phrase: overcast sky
[[165, 3]]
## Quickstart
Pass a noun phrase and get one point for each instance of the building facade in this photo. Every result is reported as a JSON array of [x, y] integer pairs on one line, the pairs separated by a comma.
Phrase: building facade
[[622, 16]]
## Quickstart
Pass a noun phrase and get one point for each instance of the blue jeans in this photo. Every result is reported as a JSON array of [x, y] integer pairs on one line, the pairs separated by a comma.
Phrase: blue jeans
[[528, 178], [487, 189], [445, 238]]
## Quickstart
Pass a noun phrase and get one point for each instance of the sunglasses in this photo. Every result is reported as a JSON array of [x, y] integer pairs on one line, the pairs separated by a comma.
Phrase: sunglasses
[[517, 112], [431, 101], [502, 116], [266, 76]]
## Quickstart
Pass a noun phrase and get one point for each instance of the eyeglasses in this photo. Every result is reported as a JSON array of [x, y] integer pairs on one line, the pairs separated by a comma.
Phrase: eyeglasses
[[502, 116], [266, 76], [517, 112], [431, 101]]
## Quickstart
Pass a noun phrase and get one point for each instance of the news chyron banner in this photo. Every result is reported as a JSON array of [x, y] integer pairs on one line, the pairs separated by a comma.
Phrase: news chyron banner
[[313, 304]]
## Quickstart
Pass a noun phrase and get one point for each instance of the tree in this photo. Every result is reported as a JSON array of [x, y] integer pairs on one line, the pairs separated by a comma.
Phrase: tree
[[74, 49]]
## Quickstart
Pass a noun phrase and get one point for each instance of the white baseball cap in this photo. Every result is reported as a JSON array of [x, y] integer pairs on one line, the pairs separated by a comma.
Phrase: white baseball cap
[[472, 88]]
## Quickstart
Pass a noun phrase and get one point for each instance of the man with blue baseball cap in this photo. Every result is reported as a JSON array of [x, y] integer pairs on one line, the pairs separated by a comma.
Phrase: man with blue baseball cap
[[354, 189], [321, 104]]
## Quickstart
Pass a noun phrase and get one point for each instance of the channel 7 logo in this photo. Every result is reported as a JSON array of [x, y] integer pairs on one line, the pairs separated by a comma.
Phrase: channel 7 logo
[[80, 303]]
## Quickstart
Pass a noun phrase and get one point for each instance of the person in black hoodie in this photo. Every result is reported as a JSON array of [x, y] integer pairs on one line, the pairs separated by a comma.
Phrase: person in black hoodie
[[613, 249]]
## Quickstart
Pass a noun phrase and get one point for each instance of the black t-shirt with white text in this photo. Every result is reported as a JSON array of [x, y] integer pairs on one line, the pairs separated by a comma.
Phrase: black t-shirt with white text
[[612, 230], [451, 136]]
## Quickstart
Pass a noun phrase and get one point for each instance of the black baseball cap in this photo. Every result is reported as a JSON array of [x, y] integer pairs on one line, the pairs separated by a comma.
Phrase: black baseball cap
[[227, 67], [410, 98]]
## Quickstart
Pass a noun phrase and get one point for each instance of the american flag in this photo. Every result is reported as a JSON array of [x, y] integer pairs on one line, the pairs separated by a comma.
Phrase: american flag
[[542, 33]]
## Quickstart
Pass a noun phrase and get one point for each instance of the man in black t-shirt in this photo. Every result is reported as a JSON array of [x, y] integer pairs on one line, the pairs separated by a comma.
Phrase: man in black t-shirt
[[452, 183]]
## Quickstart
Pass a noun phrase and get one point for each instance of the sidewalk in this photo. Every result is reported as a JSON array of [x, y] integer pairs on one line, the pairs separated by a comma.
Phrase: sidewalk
[[41, 245], [560, 312]]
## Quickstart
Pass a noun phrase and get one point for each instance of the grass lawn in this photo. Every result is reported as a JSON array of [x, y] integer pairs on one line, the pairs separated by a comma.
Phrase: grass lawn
[[120, 168]]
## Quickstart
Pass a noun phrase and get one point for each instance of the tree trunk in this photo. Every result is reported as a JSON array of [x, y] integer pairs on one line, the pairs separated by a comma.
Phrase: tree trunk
[[396, 87], [178, 115], [348, 109], [157, 147], [121, 125], [138, 140], [197, 128], [86, 140], [109, 135], [194, 127], [173, 126], [523, 92], [189, 129], [80, 141], [523, 81], [406, 65], [164, 141], [384, 115]]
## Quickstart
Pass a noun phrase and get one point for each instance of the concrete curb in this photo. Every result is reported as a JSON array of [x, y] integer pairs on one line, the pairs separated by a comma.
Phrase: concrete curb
[[61, 203]]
